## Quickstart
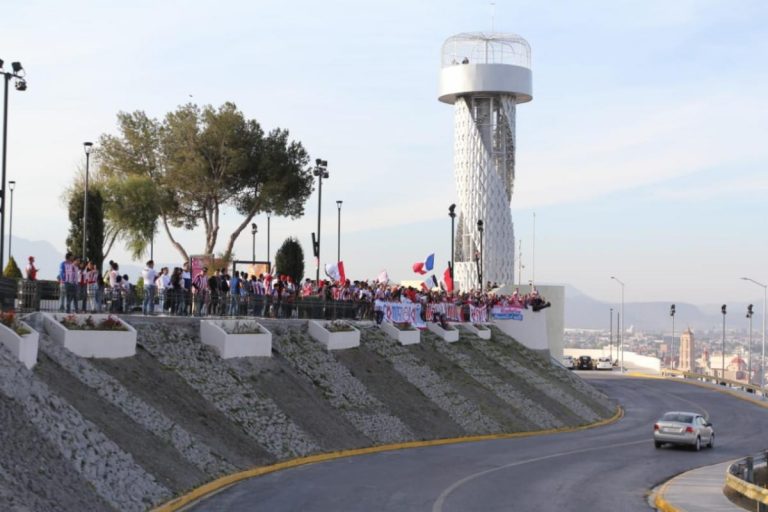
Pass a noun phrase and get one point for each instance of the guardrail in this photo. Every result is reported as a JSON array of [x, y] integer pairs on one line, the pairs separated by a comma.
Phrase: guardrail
[[749, 388], [740, 477]]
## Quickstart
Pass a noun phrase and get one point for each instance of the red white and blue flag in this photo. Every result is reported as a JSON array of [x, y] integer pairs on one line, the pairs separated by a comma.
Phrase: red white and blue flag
[[336, 271], [422, 267]]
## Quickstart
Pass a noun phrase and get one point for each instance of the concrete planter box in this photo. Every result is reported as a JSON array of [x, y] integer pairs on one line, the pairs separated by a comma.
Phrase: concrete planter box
[[23, 347], [103, 344], [213, 333], [334, 340], [484, 334], [403, 337], [449, 336]]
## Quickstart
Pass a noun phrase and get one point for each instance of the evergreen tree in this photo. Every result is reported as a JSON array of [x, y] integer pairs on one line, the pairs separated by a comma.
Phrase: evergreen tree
[[95, 226], [289, 259], [12, 269]]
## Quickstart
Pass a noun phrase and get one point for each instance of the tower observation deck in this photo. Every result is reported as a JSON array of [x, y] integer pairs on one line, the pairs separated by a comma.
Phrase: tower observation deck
[[484, 76]]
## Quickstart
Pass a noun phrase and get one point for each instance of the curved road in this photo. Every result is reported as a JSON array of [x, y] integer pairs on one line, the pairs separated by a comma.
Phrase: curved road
[[604, 469]]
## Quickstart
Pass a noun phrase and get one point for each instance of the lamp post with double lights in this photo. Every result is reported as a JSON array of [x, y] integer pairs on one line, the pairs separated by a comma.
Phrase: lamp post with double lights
[[724, 312], [620, 324], [452, 215], [17, 72], [88, 147], [610, 337], [254, 230], [672, 344], [338, 233], [480, 261], [321, 171], [762, 359], [11, 187]]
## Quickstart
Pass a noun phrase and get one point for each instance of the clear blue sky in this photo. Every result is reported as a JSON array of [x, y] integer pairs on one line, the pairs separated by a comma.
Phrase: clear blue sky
[[643, 152]]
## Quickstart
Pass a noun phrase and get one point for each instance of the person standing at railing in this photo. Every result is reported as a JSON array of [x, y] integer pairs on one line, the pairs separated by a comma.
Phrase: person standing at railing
[[200, 293], [31, 270], [91, 286], [71, 280], [61, 276], [149, 275], [234, 294], [162, 281], [185, 293]]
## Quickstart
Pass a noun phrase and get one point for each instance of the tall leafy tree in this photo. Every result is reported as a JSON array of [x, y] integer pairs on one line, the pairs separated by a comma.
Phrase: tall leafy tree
[[193, 164], [289, 259], [95, 225], [12, 269]]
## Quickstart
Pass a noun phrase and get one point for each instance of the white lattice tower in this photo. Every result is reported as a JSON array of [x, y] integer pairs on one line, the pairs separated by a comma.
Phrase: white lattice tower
[[485, 76]]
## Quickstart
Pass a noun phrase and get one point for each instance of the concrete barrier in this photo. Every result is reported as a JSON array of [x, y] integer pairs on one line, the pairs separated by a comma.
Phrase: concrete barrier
[[214, 333], [483, 334], [531, 330], [23, 347], [91, 343], [334, 340]]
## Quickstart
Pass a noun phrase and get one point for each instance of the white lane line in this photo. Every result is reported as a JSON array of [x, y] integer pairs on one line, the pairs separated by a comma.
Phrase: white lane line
[[438, 505]]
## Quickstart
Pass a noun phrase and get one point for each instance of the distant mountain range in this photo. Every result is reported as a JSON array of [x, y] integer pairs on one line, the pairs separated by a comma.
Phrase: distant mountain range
[[584, 312]]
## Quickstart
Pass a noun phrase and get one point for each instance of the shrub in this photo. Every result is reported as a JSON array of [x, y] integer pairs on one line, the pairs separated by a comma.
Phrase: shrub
[[110, 323], [338, 326], [8, 319], [403, 326], [242, 328]]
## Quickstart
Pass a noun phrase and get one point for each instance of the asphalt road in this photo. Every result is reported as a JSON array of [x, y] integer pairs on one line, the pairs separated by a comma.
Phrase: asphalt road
[[604, 469]]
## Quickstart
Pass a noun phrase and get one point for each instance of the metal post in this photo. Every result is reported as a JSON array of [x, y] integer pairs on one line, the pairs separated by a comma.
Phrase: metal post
[[7, 77], [253, 255], [722, 376], [85, 201], [338, 233], [762, 361], [620, 324], [269, 236], [749, 360], [319, 203], [610, 338], [452, 215], [11, 186]]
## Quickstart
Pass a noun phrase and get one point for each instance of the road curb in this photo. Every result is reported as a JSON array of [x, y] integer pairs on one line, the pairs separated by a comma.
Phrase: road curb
[[225, 481], [711, 387], [660, 502]]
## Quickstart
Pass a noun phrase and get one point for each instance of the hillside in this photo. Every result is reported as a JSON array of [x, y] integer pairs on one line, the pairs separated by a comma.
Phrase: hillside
[[127, 434]]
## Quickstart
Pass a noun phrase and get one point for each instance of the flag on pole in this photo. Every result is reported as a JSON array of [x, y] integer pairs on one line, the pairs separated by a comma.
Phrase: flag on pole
[[336, 271], [448, 279], [422, 267], [383, 277], [431, 282]]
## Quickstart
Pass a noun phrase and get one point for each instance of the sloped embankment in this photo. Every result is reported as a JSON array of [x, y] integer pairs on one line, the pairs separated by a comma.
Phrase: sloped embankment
[[130, 433]]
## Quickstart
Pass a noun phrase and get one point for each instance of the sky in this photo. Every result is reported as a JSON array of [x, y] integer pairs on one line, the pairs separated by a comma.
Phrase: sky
[[643, 153]]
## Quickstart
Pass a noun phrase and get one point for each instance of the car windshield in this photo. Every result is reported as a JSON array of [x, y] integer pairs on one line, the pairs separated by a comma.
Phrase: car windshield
[[679, 418]]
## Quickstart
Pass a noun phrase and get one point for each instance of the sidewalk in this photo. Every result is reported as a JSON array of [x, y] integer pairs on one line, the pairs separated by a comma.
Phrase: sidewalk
[[695, 491]]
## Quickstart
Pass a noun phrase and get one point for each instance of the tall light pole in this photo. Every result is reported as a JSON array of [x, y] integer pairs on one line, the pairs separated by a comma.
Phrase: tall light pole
[[762, 360], [254, 230], [269, 236], [452, 215], [88, 147], [723, 311], [321, 171], [620, 323], [338, 233], [672, 344], [17, 73], [749, 364], [480, 228], [11, 186]]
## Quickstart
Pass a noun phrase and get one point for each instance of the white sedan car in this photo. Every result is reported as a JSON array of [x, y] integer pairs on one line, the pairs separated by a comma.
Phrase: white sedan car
[[603, 363], [568, 362], [683, 428]]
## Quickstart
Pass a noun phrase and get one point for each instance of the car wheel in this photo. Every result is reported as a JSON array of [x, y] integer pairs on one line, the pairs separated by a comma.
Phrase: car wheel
[[711, 441], [657, 444], [697, 446]]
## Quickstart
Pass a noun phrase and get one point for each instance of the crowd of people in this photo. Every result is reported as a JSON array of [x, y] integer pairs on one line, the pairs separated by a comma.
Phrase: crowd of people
[[220, 293]]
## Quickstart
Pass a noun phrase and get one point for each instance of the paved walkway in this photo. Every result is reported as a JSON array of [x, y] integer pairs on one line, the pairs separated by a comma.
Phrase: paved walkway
[[695, 491]]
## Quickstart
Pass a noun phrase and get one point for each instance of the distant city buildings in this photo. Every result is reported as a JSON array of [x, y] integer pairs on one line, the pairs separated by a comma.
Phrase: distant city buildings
[[687, 360]]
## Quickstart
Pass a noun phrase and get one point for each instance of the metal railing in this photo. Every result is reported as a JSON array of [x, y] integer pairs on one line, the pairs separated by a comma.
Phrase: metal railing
[[749, 388], [740, 477]]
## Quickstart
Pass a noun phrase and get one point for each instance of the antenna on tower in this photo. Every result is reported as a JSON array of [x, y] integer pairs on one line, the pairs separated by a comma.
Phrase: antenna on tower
[[493, 14]]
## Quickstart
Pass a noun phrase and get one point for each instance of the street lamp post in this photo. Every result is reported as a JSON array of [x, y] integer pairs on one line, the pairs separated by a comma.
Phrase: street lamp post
[[452, 215], [269, 236], [723, 310], [11, 187], [619, 324], [88, 147], [321, 171], [254, 230], [338, 233], [749, 363], [480, 261], [762, 359], [17, 72], [610, 338], [672, 344]]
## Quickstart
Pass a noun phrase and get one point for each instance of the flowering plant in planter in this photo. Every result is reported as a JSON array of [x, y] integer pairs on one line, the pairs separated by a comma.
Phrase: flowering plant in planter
[[403, 326], [338, 326], [110, 323], [8, 319], [480, 327], [243, 328]]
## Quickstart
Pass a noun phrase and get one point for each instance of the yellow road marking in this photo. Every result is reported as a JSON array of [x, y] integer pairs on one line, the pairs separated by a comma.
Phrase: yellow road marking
[[225, 481]]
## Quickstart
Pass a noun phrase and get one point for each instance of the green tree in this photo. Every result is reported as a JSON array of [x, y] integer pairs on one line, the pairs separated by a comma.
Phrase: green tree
[[194, 163], [95, 224], [12, 269], [289, 259]]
